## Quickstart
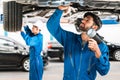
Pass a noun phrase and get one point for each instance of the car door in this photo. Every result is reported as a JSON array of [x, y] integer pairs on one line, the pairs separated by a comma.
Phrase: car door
[[9, 54]]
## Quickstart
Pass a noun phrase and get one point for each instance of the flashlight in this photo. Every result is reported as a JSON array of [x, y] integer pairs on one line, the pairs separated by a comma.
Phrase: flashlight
[[93, 34]]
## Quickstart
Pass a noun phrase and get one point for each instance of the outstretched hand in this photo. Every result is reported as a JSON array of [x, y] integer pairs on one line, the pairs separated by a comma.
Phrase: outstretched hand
[[63, 7], [67, 9]]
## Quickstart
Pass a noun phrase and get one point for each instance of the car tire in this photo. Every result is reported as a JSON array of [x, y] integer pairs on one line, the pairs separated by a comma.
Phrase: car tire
[[12, 13], [116, 55], [25, 64]]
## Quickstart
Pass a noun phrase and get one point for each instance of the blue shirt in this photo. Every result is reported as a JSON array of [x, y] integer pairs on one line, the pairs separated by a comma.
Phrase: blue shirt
[[80, 62]]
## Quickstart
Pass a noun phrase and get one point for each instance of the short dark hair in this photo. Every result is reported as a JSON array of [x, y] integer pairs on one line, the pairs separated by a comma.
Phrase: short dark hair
[[96, 19]]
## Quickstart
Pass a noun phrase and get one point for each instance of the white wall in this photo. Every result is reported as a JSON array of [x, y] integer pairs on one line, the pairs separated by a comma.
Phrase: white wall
[[111, 33]]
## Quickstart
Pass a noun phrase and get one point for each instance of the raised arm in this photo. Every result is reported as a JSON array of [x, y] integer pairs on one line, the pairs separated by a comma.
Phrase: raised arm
[[32, 41], [54, 27], [27, 30]]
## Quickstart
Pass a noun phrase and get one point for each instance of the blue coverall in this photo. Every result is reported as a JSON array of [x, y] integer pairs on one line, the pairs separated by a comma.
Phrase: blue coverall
[[36, 63], [80, 62]]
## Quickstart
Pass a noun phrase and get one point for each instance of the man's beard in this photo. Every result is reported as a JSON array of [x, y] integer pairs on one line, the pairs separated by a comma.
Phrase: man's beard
[[84, 28]]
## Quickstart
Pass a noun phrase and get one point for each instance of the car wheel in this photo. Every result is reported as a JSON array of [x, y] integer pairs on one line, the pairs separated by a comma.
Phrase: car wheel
[[12, 16], [25, 64], [116, 55]]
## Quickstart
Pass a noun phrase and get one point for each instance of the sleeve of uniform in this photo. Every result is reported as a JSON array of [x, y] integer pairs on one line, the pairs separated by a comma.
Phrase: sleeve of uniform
[[54, 27], [36, 40], [103, 64], [27, 30], [24, 36], [33, 41]]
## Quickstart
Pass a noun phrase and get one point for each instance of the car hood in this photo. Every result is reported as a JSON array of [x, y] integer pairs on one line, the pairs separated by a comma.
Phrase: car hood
[[113, 44]]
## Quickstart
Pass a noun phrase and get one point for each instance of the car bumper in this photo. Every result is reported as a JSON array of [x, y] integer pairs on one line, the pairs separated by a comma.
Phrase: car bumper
[[54, 53]]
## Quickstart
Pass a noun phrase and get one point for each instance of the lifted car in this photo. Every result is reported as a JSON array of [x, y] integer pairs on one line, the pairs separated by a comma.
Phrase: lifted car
[[14, 11]]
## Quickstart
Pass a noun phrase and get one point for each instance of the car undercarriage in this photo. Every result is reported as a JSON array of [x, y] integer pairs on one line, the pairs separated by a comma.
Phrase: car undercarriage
[[14, 11]]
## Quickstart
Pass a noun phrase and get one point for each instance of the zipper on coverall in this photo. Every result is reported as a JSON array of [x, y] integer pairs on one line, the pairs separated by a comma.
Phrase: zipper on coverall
[[79, 69]]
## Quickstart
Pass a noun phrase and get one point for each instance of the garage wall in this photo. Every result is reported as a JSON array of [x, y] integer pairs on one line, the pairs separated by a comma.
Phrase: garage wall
[[111, 32]]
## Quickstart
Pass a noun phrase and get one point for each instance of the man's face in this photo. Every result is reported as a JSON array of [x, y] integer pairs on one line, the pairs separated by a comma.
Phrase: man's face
[[86, 23], [35, 30]]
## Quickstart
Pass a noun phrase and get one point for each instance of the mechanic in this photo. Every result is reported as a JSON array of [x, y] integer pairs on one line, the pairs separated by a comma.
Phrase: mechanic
[[83, 56], [34, 39]]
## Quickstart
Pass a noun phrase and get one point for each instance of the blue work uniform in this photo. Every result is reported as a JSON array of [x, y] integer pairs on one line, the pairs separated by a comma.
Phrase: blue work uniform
[[80, 63], [36, 63]]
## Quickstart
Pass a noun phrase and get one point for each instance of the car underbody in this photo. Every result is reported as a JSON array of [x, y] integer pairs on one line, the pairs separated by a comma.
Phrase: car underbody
[[14, 11]]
